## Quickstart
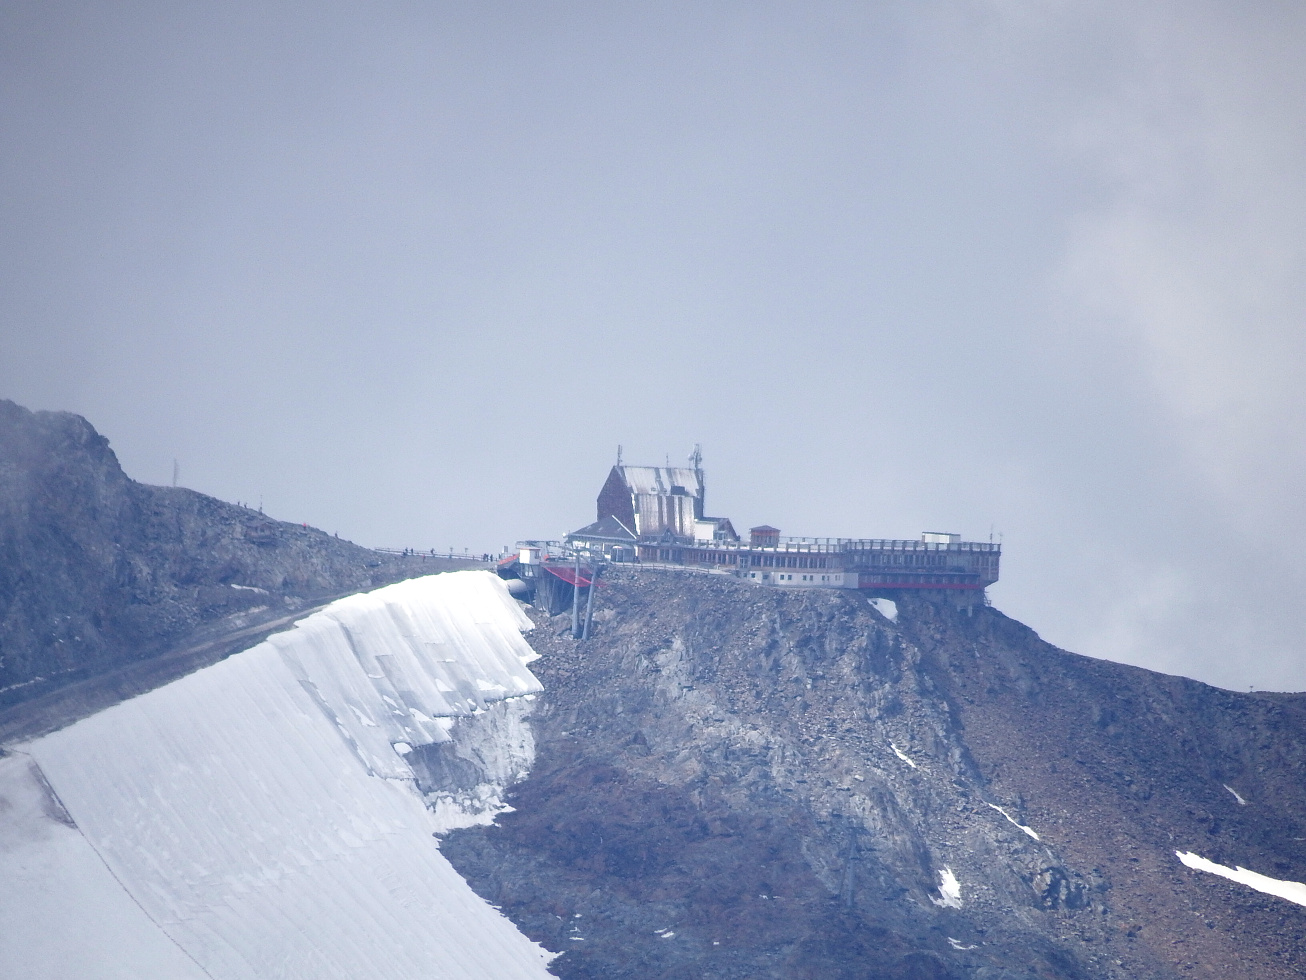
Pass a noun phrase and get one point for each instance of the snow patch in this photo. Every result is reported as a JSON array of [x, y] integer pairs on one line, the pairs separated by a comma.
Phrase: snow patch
[[1012, 820], [249, 588], [957, 944], [886, 608], [1241, 801], [476, 807], [362, 717], [1293, 891], [949, 890], [901, 755]]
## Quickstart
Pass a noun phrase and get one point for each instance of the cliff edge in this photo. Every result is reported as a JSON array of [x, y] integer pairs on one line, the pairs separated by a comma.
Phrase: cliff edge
[[734, 781]]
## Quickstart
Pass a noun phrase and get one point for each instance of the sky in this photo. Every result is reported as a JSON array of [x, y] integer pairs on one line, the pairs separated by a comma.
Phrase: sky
[[411, 272]]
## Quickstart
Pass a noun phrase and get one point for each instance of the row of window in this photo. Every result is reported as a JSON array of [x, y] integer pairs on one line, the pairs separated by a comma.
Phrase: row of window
[[741, 558], [796, 561], [919, 579]]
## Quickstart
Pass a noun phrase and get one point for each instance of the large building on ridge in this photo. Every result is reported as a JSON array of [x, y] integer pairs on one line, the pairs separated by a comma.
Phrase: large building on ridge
[[655, 515], [661, 503]]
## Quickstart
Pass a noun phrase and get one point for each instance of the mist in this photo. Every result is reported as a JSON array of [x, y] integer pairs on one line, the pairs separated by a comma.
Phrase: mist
[[411, 273]]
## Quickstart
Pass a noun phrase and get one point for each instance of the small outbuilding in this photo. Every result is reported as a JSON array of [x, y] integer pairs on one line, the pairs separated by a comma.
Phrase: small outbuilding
[[608, 537]]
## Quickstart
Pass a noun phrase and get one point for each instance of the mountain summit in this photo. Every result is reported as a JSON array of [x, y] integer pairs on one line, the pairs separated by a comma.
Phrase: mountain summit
[[98, 572]]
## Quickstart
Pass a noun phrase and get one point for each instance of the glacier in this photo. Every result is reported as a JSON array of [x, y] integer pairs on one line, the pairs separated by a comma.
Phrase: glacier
[[260, 818]]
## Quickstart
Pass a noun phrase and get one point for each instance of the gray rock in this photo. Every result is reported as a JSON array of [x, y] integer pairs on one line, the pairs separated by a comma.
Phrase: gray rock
[[719, 761]]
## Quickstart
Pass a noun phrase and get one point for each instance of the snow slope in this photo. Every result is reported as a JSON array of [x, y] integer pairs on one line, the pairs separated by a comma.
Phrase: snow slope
[[60, 908], [259, 820]]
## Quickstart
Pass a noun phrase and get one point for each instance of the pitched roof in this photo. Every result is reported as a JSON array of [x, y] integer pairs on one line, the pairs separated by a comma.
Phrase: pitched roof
[[608, 527]]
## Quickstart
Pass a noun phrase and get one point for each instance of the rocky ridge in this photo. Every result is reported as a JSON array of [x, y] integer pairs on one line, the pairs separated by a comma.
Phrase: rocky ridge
[[733, 781], [98, 571]]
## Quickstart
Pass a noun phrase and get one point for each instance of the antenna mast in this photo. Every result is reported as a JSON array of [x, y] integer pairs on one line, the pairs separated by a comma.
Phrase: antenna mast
[[696, 458], [618, 454]]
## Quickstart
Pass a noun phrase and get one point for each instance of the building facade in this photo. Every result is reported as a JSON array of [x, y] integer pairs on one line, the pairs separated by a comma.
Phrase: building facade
[[655, 515]]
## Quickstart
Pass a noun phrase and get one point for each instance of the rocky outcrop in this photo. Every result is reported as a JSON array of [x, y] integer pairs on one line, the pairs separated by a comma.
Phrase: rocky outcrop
[[733, 781], [98, 571]]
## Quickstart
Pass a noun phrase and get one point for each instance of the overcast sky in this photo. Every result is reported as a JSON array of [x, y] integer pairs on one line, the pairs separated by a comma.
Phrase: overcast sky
[[411, 272]]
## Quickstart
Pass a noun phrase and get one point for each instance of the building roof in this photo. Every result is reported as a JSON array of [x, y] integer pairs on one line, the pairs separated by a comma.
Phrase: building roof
[[660, 479], [608, 528], [764, 528]]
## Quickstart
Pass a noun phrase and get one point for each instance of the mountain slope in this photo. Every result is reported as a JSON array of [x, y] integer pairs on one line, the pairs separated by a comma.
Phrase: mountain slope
[[739, 782], [97, 570]]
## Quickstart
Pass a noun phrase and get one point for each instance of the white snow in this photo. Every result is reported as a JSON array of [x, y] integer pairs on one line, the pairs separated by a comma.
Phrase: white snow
[[957, 944], [949, 890], [246, 822], [1241, 801], [1012, 820], [1293, 891], [901, 755], [60, 907], [500, 745], [444, 645], [886, 608]]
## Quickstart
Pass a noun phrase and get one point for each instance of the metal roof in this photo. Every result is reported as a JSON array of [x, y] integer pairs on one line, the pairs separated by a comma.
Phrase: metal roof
[[568, 574], [660, 479]]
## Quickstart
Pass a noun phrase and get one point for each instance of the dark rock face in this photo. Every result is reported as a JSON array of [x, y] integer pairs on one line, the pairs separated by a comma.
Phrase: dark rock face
[[725, 787], [97, 570]]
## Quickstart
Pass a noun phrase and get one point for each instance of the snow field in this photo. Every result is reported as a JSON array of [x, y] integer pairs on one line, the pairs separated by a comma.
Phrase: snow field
[[60, 907], [257, 816]]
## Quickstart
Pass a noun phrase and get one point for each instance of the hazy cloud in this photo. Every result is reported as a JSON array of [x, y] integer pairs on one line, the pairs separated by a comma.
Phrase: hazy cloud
[[412, 272]]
